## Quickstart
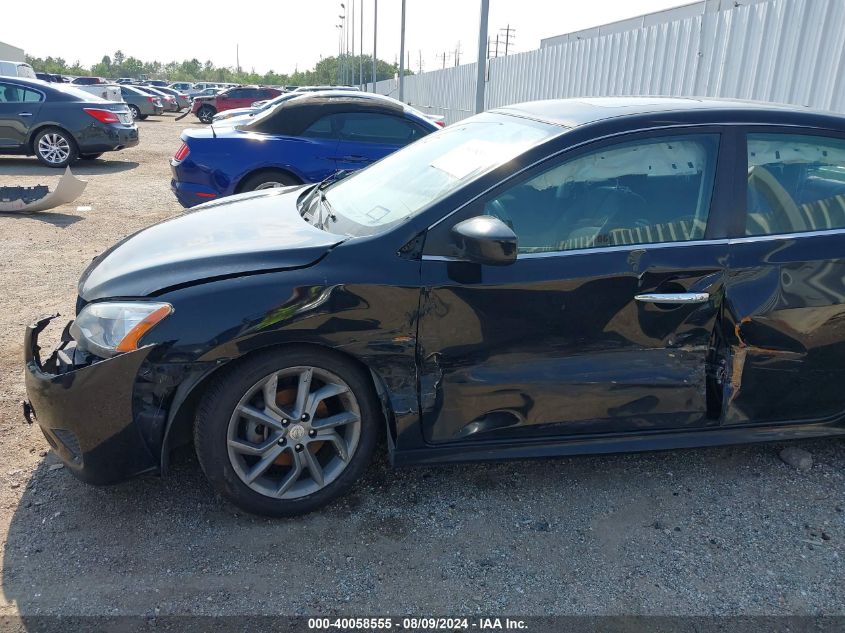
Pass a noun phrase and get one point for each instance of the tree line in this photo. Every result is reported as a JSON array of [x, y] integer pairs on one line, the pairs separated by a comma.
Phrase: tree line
[[325, 72]]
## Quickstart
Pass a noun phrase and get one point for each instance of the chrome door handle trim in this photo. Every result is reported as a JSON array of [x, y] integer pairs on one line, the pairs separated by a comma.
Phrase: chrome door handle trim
[[674, 297], [24, 113]]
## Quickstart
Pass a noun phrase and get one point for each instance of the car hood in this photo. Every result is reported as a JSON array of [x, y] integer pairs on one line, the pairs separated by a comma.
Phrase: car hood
[[248, 233]]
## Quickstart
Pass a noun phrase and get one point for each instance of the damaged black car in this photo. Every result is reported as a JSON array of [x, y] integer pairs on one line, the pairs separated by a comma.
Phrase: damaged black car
[[552, 278]]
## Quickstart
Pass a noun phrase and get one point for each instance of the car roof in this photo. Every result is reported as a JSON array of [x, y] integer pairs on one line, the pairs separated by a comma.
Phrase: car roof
[[571, 113], [297, 114]]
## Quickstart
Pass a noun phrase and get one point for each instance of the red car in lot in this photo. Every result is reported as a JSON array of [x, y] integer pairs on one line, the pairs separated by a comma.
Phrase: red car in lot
[[206, 107]]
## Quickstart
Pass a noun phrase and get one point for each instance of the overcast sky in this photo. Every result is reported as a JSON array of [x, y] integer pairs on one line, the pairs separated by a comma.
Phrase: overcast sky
[[282, 35]]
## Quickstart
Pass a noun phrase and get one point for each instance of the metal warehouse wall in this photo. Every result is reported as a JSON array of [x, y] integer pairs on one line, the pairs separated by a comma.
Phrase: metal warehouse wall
[[790, 51], [9, 53]]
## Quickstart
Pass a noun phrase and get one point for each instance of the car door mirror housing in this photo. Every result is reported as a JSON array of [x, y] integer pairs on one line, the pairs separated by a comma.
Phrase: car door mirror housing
[[485, 239]]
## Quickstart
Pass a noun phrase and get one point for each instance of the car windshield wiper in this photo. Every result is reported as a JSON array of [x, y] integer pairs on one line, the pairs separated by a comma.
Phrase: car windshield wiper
[[324, 204], [306, 202]]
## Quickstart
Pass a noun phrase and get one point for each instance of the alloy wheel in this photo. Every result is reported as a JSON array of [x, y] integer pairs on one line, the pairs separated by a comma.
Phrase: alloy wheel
[[54, 148], [294, 432], [269, 185]]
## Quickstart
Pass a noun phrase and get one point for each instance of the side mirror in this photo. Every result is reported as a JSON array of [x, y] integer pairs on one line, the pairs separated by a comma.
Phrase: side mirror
[[485, 239]]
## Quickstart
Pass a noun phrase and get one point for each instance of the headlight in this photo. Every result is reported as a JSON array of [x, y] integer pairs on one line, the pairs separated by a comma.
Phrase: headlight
[[104, 329]]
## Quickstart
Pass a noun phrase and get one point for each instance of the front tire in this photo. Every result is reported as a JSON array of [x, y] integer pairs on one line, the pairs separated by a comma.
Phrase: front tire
[[136, 112], [54, 147], [206, 113], [285, 432]]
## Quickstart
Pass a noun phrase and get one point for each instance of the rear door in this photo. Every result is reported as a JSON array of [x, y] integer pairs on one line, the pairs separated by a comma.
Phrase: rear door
[[785, 294], [609, 319], [365, 137], [19, 108]]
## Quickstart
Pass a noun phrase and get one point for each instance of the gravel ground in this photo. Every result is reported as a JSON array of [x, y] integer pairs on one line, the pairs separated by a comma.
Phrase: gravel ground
[[731, 530]]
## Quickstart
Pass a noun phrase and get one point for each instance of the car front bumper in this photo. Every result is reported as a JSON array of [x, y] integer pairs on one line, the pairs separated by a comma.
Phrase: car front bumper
[[86, 412]]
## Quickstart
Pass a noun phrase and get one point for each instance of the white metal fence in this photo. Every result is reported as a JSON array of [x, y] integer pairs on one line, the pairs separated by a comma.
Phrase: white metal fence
[[789, 51]]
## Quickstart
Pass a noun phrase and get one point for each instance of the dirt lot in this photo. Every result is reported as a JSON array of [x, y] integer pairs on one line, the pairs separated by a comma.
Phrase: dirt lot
[[730, 530]]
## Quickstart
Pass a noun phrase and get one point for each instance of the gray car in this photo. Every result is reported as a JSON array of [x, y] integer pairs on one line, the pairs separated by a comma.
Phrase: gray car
[[140, 103], [182, 100]]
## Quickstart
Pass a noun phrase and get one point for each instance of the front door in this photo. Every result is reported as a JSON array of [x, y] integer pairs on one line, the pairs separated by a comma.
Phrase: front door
[[608, 320], [19, 107]]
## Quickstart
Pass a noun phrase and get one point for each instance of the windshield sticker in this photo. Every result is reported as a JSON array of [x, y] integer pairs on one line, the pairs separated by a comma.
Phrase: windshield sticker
[[377, 213]]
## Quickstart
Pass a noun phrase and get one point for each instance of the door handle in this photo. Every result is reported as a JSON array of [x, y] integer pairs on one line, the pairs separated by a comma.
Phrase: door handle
[[354, 159], [674, 297], [24, 113]]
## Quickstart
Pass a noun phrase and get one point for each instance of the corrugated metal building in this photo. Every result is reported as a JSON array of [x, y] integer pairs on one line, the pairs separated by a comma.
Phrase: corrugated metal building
[[790, 51], [11, 53]]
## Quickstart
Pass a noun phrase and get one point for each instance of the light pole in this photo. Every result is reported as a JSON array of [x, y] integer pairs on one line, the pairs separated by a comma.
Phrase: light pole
[[402, 56], [343, 44], [482, 57], [361, 51], [339, 49], [375, 37]]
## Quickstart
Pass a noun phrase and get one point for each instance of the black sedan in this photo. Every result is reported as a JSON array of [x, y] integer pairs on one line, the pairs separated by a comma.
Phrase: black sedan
[[545, 279], [59, 124]]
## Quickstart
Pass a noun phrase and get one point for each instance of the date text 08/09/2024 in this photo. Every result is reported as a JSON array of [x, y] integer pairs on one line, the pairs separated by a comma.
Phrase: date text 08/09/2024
[[417, 624]]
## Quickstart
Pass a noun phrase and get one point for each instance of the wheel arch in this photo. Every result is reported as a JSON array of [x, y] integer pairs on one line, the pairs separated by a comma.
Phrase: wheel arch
[[180, 420], [266, 168], [33, 133]]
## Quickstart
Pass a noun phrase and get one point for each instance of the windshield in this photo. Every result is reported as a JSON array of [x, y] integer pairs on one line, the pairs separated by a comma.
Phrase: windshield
[[409, 180]]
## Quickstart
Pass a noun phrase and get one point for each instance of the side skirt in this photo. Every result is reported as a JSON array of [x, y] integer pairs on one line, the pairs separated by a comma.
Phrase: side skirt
[[596, 445]]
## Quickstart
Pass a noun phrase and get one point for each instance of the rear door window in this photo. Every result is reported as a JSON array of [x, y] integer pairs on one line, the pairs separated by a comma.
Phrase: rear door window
[[10, 93], [796, 183]]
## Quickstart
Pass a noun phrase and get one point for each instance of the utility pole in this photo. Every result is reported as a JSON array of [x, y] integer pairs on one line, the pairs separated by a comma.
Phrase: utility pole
[[458, 54], [444, 60], [482, 61], [419, 65], [510, 34], [353, 44], [361, 51], [238, 57], [497, 44], [402, 57], [375, 35]]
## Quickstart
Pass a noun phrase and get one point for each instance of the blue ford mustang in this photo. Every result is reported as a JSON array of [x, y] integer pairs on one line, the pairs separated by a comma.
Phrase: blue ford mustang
[[302, 140]]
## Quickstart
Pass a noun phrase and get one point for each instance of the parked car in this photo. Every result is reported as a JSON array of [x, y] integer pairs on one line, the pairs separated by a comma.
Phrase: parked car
[[99, 87], [16, 69], [124, 80], [551, 278], [182, 100], [50, 78], [155, 83], [59, 124], [254, 108], [184, 87], [206, 107], [240, 116], [203, 86], [298, 141], [168, 102], [141, 104], [208, 92]]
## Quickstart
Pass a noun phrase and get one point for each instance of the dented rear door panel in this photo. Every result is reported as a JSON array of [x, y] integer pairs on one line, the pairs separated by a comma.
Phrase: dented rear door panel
[[785, 315], [557, 345]]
